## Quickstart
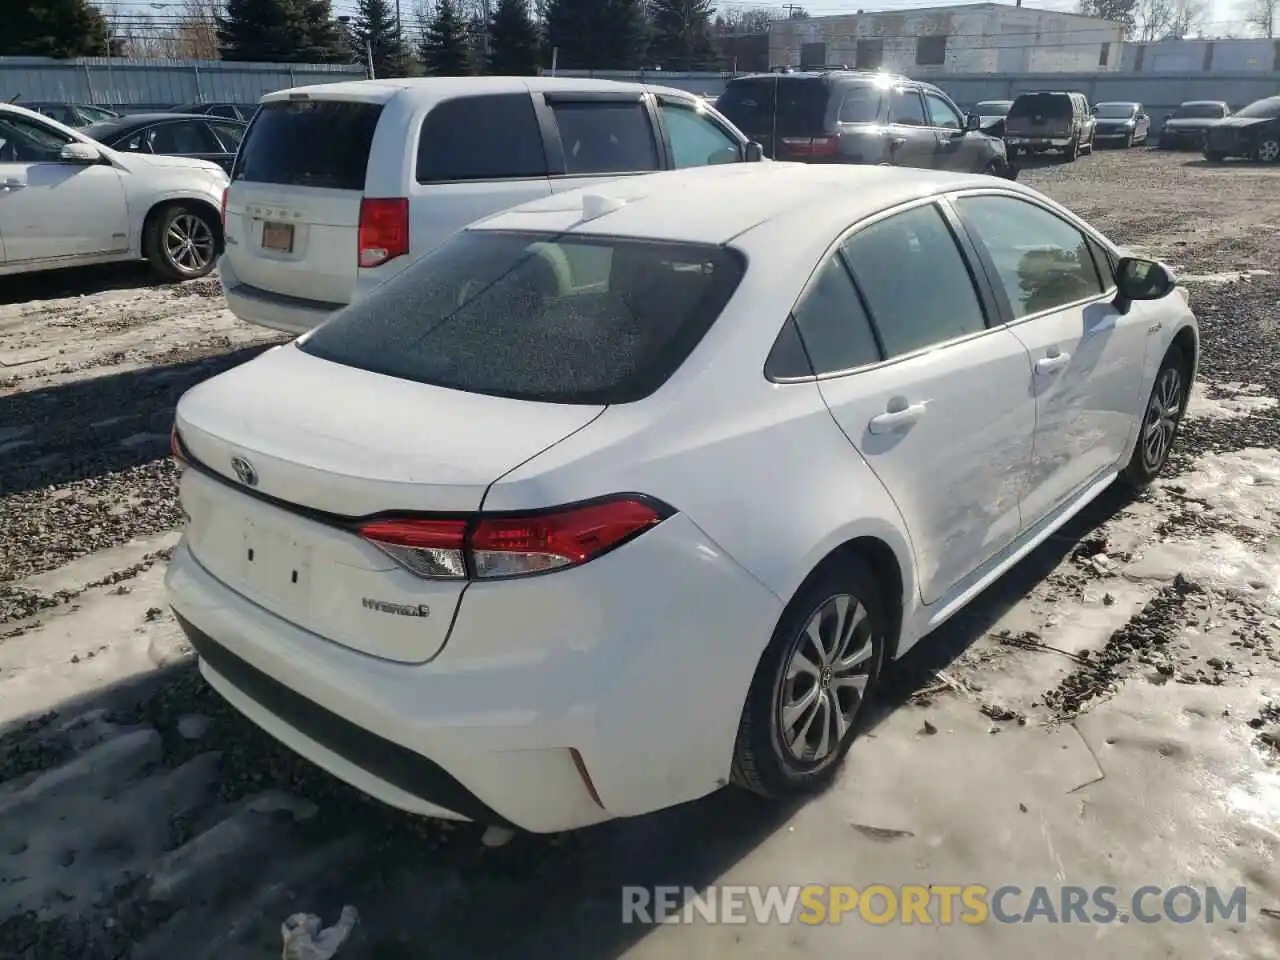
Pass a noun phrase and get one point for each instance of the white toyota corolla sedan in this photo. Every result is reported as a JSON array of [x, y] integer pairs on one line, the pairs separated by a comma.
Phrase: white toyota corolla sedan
[[622, 496]]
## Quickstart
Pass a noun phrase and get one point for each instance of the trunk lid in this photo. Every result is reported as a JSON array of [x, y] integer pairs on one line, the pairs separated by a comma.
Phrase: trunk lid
[[293, 208], [350, 443]]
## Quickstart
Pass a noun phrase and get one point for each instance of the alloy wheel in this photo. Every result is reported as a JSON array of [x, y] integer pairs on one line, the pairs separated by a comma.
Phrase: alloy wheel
[[189, 243], [1269, 151], [1161, 422], [826, 678]]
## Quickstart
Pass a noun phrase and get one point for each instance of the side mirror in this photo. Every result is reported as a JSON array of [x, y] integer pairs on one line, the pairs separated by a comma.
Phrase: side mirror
[[972, 122], [78, 152], [754, 152], [1141, 279]]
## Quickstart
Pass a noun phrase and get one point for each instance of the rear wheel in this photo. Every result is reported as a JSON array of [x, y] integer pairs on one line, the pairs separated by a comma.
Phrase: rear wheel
[[1071, 150], [1214, 155], [1267, 149], [1165, 407], [806, 700]]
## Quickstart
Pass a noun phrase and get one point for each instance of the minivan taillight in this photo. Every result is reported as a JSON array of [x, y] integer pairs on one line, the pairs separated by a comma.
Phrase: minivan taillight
[[500, 545], [384, 230]]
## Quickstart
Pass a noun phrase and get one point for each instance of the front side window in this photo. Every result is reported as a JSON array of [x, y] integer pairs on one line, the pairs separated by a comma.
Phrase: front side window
[[941, 113], [832, 324], [606, 136], [553, 318], [481, 138], [696, 140], [26, 141], [905, 108], [1041, 260], [915, 281]]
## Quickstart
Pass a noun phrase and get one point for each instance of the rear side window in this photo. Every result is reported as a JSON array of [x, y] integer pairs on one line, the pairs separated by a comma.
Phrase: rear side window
[[1042, 105], [481, 138], [604, 136], [542, 317], [860, 104], [915, 280], [309, 143], [905, 108], [836, 332], [798, 107]]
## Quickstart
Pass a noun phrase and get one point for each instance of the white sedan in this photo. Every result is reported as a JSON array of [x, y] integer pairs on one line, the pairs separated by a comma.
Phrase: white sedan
[[68, 201], [629, 493]]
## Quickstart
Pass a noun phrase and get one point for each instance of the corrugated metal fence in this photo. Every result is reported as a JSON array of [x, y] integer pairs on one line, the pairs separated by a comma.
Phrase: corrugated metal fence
[[1160, 93], [144, 84]]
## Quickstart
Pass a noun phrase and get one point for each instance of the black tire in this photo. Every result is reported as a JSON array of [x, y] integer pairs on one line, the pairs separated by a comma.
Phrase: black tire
[[1267, 149], [993, 169], [1071, 151], [1143, 466], [762, 762], [169, 257], [1216, 156]]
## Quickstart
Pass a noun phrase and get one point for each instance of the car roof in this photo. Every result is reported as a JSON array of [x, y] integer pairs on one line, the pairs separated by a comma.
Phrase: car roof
[[1203, 103], [842, 73], [717, 203], [1116, 103], [380, 91], [143, 119]]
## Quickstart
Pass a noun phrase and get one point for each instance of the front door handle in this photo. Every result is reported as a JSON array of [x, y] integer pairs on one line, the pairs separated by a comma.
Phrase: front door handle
[[1053, 363], [892, 420]]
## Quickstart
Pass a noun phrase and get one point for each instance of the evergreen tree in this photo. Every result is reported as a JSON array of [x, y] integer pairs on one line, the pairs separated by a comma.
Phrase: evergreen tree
[[53, 28], [446, 47], [373, 34], [682, 34], [513, 40], [281, 31], [597, 34]]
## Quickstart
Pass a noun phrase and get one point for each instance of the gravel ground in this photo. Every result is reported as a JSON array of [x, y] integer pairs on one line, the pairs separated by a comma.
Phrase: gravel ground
[[140, 817]]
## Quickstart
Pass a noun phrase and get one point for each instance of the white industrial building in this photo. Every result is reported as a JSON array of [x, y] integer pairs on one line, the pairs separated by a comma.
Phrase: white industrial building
[[973, 39]]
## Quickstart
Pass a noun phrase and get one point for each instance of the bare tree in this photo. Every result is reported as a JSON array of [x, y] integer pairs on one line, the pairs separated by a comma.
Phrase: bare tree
[[751, 20], [1188, 18], [197, 33], [1263, 16], [1153, 19]]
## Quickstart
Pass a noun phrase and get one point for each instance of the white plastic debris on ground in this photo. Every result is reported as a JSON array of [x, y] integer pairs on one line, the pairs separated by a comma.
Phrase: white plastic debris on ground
[[304, 940]]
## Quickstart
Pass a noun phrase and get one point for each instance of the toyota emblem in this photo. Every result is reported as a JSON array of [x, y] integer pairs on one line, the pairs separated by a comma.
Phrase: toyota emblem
[[244, 471]]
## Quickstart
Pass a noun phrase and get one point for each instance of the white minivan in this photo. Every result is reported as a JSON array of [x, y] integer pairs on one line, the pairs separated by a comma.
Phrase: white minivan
[[339, 187]]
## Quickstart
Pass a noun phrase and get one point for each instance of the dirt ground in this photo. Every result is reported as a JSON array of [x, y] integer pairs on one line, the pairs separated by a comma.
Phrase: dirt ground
[[1108, 713]]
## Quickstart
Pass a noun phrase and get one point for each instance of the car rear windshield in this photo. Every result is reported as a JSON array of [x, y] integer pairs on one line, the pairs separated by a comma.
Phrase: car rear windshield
[[1114, 111], [1268, 108], [1198, 111], [1041, 105], [992, 108], [309, 143], [543, 317], [800, 105]]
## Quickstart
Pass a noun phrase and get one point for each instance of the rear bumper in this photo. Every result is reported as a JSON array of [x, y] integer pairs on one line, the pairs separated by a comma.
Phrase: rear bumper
[[1034, 141], [273, 310], [640, 667], [1113, 134], [1182, 138]]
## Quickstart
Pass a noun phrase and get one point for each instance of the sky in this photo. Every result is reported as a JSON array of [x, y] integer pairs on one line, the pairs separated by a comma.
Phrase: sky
[[1221, 16]]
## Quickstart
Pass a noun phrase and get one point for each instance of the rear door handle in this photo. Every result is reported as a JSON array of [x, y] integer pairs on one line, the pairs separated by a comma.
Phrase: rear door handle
[[1053, 363], [892, 420], [896, 142]]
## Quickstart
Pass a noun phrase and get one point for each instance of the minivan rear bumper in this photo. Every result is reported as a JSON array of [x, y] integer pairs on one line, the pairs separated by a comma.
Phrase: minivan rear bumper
[[275, 310]]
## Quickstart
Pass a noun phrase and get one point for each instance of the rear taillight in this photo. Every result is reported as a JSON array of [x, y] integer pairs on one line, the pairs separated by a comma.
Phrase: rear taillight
[[224, 207], [812, 146], [497, 546], [384, 230], [175, 447]]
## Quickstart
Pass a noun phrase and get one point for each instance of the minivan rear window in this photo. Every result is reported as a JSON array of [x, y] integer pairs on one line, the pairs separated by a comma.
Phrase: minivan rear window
[[1041, 105], [545, 317], [801, 105], [309, 143]]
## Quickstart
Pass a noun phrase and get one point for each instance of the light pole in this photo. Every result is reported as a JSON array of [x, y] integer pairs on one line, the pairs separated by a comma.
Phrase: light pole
[[368, 48]]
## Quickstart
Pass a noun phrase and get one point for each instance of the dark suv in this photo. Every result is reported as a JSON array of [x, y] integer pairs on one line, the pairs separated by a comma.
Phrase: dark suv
[[848, 116], [1043, 120]]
